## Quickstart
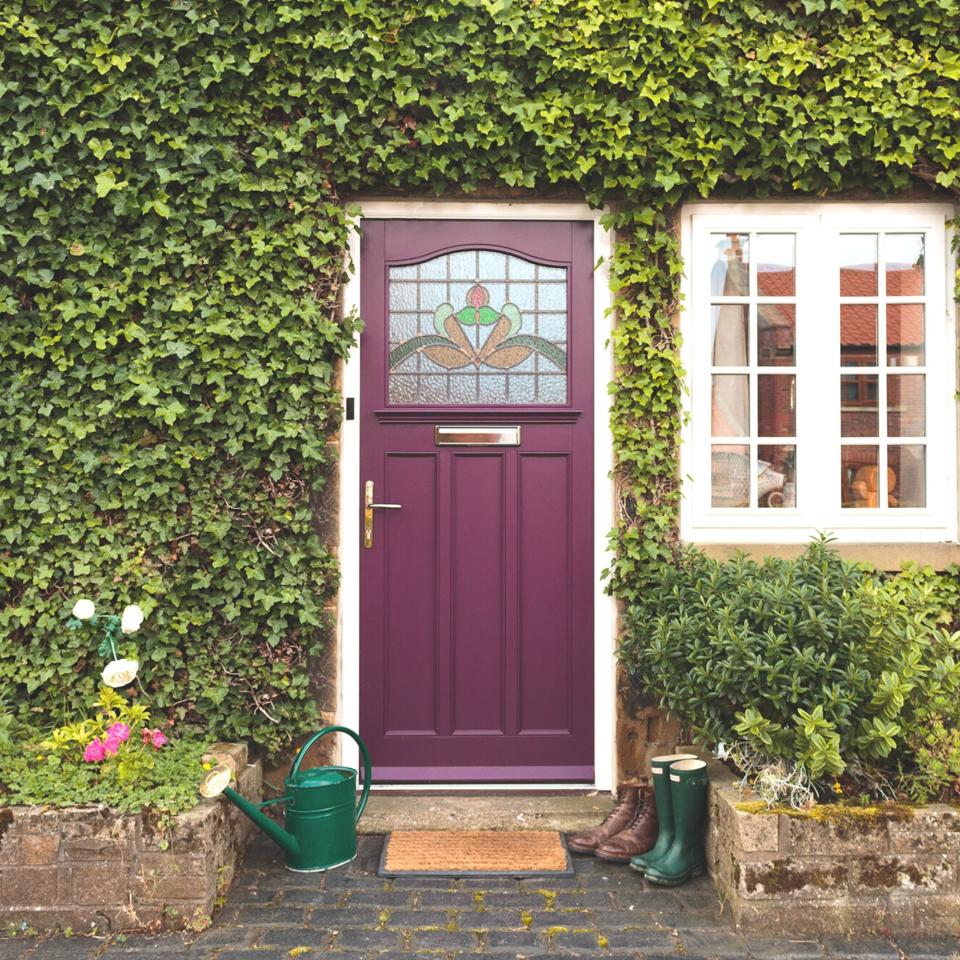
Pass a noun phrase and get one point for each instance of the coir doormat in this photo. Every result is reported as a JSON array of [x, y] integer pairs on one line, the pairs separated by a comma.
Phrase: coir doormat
[[475, 853]]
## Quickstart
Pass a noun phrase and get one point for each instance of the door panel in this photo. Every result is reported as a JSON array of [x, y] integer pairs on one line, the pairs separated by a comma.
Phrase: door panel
[[545, 615], [476, 595], [478, 617]]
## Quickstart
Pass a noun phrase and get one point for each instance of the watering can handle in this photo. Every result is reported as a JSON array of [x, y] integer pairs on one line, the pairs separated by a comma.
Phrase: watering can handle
[[363, 751]]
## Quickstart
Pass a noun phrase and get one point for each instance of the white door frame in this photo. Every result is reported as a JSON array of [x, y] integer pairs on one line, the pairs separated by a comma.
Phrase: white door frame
[[605, 613]]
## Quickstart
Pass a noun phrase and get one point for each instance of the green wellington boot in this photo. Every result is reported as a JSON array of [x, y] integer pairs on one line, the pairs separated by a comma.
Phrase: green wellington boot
[[688, 795], [660, 766]]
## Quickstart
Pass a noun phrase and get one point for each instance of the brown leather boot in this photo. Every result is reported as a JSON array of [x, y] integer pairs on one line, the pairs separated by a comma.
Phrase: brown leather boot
[[619, 817], [637, 837]]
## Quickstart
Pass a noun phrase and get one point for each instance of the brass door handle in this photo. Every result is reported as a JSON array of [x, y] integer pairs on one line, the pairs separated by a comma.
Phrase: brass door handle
[[368, 507]]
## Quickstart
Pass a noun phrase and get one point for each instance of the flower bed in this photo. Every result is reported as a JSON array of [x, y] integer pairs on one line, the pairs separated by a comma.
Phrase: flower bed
[[93, 868], [834, 869]]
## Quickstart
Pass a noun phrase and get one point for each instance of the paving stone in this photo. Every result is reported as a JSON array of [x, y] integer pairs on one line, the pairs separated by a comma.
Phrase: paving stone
[[941, 948], [559, 918], [381, 898], [873, 947], [767, 949], [444, 940], [268, 916], [583, 900], [280, 954], [225, 936], [459, 900], [523, 940], [519, 901], [712, 943], [492, 919], [408, 919], [567, 941], [643, 941], [60, 948], [357, 939], [314, 898], [289, 937]]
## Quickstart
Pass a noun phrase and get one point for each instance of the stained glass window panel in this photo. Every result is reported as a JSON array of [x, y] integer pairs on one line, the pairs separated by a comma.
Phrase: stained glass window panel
[[478, 327]]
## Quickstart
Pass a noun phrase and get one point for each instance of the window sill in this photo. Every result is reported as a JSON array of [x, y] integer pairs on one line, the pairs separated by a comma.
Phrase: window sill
[[884, 556]]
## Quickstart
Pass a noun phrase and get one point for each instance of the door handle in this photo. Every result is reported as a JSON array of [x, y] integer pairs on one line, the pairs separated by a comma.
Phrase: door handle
[[368, 507]]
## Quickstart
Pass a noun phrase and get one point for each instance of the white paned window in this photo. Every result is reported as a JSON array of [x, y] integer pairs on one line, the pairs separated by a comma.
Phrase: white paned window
[[820, 351]]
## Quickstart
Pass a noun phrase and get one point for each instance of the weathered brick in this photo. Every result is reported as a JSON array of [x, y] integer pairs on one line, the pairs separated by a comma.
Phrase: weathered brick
[[756, 832], [24, 886], [170, 876], [850, 835], [98, 883], [904, 872], [790, 878], [933, 829]]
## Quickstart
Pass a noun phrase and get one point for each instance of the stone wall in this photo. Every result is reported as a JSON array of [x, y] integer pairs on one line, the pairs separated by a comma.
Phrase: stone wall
[[894, 869], [87, 868]]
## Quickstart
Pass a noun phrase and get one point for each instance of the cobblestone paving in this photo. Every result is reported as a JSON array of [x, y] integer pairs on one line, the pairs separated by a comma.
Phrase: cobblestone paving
[[604, 911]]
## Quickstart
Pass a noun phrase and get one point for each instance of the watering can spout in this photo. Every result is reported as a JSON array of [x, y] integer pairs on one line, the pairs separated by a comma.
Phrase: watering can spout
[[272, 829], [320, 808]]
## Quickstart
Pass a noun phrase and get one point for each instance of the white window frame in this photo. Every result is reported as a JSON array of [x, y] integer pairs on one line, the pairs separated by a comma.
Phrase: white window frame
[[818, 509]]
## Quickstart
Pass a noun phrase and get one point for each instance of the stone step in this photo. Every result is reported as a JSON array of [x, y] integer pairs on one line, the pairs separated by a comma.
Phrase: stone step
[[568, 812]]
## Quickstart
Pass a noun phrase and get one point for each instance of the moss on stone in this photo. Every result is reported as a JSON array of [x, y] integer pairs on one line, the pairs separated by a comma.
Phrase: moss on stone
[[836, 813]]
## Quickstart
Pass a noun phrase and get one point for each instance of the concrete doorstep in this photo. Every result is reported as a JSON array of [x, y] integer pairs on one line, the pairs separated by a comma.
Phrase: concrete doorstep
[[567, 812]]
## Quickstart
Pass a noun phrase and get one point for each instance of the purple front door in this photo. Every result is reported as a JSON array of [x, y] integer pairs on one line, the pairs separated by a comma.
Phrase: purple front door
[[476, 433]]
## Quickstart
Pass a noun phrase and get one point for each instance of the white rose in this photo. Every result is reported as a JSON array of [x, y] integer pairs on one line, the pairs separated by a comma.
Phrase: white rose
[[120, 673], [131, 618], [83, 609]]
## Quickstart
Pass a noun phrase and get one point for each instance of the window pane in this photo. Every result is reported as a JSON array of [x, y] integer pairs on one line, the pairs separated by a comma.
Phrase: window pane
[[477, 326], [731, 405], [905, 413], [777, 475], [775, 254], [858, 406], [776, 405], [776, 334], [730, 276], [730, 475], [858, 265], [859, 476], [858, 334], [905, 335], [908, 469], [731, 335], [904, 264]]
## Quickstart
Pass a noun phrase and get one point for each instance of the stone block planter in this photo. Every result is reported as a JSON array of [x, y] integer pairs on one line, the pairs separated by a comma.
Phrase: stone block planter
[[89, 868], [837, 872]]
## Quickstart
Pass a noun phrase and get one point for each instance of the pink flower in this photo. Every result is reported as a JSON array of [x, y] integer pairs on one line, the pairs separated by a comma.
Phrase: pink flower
[[146, 735], [118, 732], [158, 740], [94, 751], [111, 746]]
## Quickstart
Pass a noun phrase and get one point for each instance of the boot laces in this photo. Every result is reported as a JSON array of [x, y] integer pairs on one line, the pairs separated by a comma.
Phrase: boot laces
[[616, 810]]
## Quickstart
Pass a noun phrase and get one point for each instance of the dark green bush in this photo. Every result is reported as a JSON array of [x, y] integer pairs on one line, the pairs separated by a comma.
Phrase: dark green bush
[[816, 661]]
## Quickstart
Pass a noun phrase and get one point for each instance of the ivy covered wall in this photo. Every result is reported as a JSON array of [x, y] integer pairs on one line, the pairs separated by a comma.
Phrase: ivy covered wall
[[173, 239]]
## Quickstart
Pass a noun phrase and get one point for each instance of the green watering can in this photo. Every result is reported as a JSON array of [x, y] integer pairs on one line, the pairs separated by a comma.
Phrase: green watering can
[[320, 818]]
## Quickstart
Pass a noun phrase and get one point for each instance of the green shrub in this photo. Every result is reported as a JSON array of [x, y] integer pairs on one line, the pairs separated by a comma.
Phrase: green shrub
[[28, 775], [815, 661]]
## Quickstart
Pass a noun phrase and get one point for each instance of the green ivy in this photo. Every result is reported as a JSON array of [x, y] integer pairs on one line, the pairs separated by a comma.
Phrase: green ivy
[[172, 259]]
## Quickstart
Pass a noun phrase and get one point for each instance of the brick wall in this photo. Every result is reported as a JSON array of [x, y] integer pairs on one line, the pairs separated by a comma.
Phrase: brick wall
[[90, 867], [797, 876]]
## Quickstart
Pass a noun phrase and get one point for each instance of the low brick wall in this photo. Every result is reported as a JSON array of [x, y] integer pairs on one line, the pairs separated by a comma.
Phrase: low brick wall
[[799, 876], [90, 868]]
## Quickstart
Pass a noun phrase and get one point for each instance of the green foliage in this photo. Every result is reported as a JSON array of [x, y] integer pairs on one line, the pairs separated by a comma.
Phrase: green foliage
[[167, 785], [171, 263], [934, 770], [816, 661]]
